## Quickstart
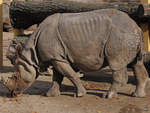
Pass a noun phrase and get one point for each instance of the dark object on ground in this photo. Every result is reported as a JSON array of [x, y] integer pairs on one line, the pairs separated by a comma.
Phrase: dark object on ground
[[25, 14]]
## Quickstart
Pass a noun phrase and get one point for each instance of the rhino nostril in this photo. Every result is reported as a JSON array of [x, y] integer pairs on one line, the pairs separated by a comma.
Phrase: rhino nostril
[[13, 94]]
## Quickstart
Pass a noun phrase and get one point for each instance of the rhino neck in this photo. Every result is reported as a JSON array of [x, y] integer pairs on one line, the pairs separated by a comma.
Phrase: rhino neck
[[29, 54]]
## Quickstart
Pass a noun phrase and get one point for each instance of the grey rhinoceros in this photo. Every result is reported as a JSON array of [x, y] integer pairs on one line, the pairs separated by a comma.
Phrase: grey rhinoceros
[[82, 41]]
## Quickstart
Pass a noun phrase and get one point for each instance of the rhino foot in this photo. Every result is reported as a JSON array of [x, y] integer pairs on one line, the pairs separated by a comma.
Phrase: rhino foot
[[110, 95], [140, 90], [81, 92], [53, 91], [138, 94]]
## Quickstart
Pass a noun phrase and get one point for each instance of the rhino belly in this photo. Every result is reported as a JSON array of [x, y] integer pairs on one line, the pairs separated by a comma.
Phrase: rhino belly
[[88, 63]]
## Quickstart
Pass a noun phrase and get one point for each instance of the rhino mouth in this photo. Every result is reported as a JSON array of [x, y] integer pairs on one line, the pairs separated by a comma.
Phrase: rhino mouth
[[15, 84]]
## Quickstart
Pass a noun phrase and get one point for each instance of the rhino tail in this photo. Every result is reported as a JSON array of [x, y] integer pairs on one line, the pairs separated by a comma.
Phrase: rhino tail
[[140, 53], [145, 55]]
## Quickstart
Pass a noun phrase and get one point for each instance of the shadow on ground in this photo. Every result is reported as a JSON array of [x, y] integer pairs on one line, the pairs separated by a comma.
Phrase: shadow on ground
[[94, 78], [105, 76]]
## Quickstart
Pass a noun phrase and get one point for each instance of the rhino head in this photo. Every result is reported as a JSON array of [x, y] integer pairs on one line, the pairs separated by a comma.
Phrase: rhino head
[[25, 61]]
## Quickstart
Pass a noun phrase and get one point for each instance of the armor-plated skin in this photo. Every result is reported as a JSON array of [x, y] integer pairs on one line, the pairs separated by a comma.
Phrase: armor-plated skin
[[87, 42]]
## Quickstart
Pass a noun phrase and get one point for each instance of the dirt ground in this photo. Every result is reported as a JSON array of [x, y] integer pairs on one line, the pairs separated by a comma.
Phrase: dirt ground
[[96, 83]]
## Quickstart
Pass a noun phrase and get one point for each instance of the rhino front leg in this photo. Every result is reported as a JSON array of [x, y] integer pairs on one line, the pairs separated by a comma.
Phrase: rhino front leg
[[66, 70], [55, 87], [141, 77], [119, 79]]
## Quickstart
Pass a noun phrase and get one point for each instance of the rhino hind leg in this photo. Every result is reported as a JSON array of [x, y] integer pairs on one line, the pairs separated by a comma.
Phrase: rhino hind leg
[[120, 78], [142, 79], [66, 70], [55, 87]]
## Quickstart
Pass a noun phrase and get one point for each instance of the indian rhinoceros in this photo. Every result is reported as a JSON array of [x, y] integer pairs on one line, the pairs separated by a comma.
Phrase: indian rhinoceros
[[82, 41], [21, 40]]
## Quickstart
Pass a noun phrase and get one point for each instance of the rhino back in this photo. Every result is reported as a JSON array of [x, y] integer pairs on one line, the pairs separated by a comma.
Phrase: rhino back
[[85, 35], [120, 19]]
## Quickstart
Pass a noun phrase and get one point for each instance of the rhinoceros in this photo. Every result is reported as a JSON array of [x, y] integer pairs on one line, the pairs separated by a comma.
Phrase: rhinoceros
[[87, 41], [20, 41]]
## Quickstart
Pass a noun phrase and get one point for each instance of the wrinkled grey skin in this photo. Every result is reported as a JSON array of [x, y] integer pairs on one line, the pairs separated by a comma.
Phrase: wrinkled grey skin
[[21, 40], [87, 42]]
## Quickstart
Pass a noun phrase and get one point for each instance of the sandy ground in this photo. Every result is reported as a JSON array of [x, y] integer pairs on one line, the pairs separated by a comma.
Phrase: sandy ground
[[96, 83]]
